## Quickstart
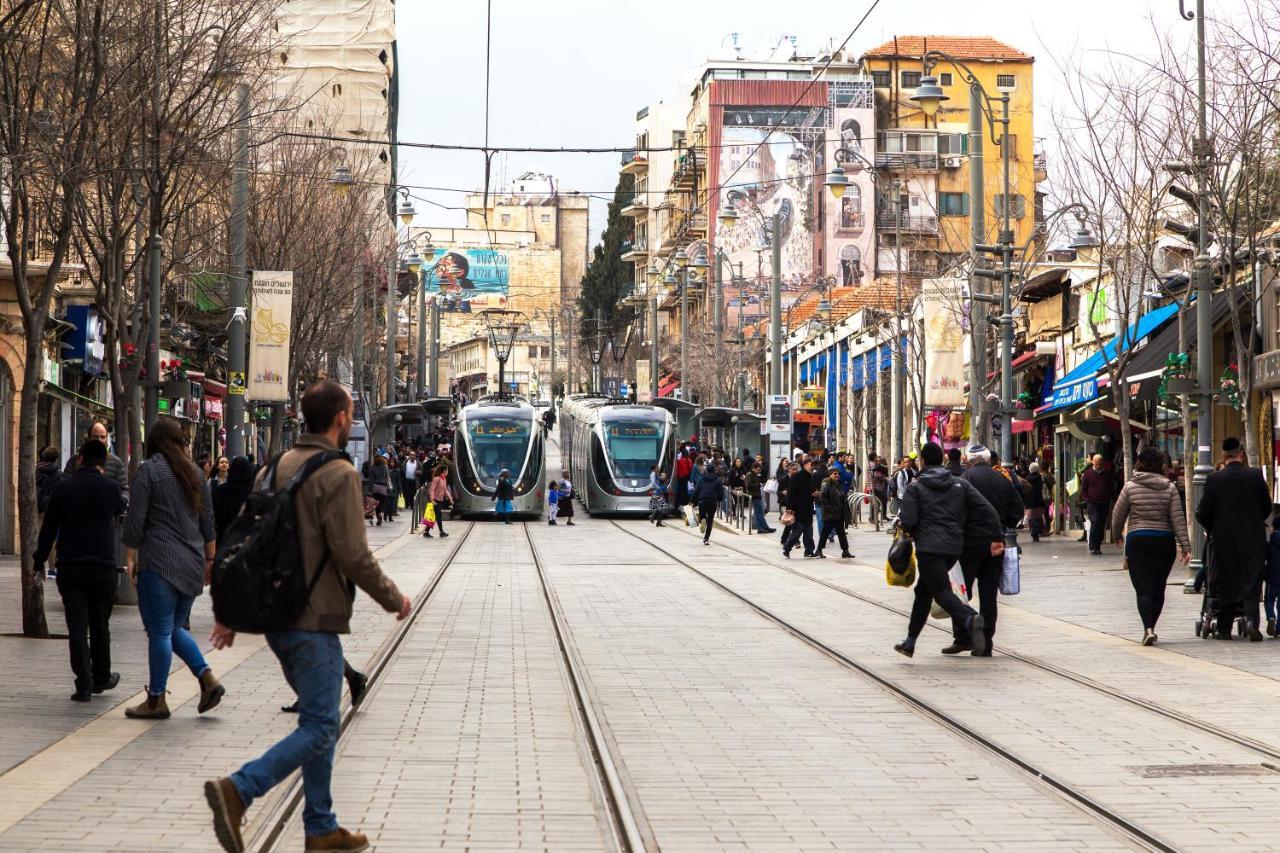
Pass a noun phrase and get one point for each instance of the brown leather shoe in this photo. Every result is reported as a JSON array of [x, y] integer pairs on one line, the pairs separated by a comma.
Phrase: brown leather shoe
[[339, 839], [228, 813], [211, 691], [151, 708]]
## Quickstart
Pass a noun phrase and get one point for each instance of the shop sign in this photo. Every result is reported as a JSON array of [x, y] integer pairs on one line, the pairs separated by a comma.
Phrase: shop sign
[[813, 399], [1075, 394], [49, 371], [1266, 370], [213, 408]]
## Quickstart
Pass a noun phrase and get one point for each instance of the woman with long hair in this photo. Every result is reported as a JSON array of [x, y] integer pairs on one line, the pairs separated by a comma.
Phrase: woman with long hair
[[230, 496], [441, 498], [1156, 531], [170, 543], [380, 486]]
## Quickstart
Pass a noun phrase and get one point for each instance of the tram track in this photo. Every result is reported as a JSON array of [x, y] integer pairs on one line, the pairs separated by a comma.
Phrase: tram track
[[1265, 750], [271, 831], [1113, 820], [630, 831]]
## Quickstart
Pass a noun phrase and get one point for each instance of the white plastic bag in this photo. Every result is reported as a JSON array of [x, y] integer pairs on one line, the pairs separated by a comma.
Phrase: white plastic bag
[[956, 577], [1011, 573], [770, 487]]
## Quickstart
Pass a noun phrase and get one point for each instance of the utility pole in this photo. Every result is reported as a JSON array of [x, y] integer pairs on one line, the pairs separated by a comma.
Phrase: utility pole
[[236, 352], [1203, 157], [155, 244], [775, 307], [435, 350], [1006, 299], [977, 235], [393, 316], [551, 380], [357, 344], [421, 368], [895, 350], [684, 336], [718, 324], [653, 343]]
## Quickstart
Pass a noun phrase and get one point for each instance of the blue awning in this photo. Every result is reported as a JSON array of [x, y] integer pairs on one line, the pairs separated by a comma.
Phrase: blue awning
[[859, 374], [1080, 386]]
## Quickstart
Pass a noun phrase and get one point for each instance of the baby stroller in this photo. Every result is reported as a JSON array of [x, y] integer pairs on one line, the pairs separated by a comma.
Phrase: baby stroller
[[1207, 625]]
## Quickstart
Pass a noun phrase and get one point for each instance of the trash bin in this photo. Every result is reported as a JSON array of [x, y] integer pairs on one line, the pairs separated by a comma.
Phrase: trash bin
[[125, 592]]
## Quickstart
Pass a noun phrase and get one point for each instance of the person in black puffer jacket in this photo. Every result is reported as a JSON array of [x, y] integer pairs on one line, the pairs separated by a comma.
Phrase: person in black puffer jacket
[[1036, 506], [835, 514], [707, 496], [939, 512], [47, 476]]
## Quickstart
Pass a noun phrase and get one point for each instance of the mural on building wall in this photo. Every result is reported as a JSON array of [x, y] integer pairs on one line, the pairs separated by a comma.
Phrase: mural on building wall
[[850, 222], [765, 170], [470, 279]]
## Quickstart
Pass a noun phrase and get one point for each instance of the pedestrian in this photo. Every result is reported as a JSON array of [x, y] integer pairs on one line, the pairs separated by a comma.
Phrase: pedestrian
[[684, 470], [938, 510], [169, 547], [380, 487], [80, 517], [1149, 520], [115, 466], [205, 463], [336, 559], [229, 497], [754, 488], [1233, 510], [878, 486], [409, 479], [835, 515], [553, 502], [1272, 590], [441, 498], [785, 472], [1097, 487], [979, 566], [504, 494], [708, 495], [801, 491], [48, 475], [953, 462], [1035, 502], [566, 498], [221, 472], [658, 499]]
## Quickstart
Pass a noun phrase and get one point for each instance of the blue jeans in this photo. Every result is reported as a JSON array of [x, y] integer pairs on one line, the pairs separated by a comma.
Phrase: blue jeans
[[1270, 597], [757, 515], [312, 664], [164, 612]]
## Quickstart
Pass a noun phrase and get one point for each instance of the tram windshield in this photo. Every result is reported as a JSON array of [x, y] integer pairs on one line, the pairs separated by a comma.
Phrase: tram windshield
[[634, 446], [498, 443]]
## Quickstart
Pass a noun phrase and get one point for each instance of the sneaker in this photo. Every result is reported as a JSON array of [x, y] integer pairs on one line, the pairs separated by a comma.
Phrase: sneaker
[[228, 813], [977, 633], [109, 684], [291, 708], [151, 708], [957, 648], [906, 647], [339, 839], [1148, 637]]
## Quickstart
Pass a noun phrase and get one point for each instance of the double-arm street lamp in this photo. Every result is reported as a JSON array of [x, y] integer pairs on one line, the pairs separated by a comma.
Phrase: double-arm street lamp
[[421, 251], [503, 326]]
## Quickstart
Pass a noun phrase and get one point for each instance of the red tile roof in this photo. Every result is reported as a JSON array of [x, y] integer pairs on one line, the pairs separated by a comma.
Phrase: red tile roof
[[961, 47]]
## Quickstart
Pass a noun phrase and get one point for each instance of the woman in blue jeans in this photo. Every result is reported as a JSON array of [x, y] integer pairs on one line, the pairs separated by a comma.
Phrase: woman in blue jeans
[[169, 539]]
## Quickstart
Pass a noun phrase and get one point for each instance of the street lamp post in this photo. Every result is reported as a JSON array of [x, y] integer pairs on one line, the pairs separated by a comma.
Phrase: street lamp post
[[503, 326], [420, 254], [930, 96], [238, 231]]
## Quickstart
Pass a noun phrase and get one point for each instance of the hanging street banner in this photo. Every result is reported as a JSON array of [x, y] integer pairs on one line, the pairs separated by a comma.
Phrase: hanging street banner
[[271, 313], [941, 300], [643, 392]]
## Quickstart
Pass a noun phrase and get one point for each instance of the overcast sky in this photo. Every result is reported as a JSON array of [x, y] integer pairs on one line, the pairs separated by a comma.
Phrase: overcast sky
[[574, 72]]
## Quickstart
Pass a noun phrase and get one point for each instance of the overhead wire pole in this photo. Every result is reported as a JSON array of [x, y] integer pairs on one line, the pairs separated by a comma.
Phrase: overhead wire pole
[[775, 307], [718, 324], [238, 232]]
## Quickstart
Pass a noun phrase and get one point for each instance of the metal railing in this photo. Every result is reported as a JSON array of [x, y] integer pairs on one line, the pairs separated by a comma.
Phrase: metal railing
[[629, 157], [857, 500], [916, 224], [918, 160]]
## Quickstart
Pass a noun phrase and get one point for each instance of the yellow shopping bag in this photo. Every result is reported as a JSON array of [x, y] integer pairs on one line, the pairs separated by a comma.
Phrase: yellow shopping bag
[[429, 516]]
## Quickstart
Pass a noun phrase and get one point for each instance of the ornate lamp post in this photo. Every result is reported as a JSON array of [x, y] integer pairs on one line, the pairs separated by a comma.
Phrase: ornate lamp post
[[503, 326]]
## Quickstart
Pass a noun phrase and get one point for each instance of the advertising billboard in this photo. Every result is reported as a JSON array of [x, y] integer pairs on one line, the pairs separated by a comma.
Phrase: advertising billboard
[[850, 220], [469, 280], [269, 336]]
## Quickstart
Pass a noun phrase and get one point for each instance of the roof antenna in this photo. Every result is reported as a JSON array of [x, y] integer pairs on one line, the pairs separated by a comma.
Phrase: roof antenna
[[737, 49]]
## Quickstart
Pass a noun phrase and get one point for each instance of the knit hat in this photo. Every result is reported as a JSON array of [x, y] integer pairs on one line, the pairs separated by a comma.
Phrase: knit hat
[[977, 451]]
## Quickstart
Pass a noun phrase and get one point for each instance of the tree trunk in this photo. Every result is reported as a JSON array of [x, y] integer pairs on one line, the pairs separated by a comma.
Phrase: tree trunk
[[277, 430], [34, 623], [1122, 410]]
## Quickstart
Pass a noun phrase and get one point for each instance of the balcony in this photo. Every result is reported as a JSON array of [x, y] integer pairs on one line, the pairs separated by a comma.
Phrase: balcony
[[887, 223], [637, 206], [1041, 165], [907, 161], [634, 163], [851, 223], [636, 250], [692, 226], [684, 170]]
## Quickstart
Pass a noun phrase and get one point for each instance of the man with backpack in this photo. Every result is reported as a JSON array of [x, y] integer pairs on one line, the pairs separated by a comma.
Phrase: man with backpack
[[327, 525]]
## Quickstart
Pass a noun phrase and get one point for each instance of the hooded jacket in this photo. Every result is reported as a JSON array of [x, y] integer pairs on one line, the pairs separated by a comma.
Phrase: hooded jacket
[[832, 501], [1150, 502], [710, 488], [941, 512]]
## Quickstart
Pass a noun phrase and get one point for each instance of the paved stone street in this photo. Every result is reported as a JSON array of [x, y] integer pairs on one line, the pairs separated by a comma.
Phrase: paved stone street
[[727, 731]]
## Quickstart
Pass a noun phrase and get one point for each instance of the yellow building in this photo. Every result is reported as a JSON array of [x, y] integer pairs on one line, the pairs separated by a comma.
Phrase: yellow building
[[930, 156]]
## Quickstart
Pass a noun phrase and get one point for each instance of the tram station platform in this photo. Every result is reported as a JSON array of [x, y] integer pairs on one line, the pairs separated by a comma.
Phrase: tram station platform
[[615, 686]]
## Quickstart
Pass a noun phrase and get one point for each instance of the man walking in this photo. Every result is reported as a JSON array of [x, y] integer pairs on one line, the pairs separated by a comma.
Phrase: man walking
[[332, 540], [81, 519], [409, 482], [114, 468], [1096, 490], [801, 491], [1234, 510], [937, 509], [976, 560], [755, 490]]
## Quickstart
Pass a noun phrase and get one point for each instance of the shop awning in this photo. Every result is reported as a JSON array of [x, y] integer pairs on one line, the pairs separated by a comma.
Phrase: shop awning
[[1147, 365], [1081, 385], [668, 389]]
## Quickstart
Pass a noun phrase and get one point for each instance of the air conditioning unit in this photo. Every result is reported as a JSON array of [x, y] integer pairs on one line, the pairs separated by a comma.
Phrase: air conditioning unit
[[952, 162]]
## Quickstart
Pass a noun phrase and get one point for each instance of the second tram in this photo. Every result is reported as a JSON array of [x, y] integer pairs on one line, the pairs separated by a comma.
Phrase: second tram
[[610, 448], [492, 435]]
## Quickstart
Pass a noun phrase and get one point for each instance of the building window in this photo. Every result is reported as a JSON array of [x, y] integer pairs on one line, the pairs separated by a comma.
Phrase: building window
[[506, 219], [953, 204], [533, 352], [910, 79], [337, 90], [944, 79], [1006, 81], [546, 217], [1016, 211], [881, 79], [953, 144]]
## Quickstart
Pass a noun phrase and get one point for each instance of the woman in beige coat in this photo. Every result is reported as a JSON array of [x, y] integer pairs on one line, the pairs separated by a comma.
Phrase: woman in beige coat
[[1156, 524]]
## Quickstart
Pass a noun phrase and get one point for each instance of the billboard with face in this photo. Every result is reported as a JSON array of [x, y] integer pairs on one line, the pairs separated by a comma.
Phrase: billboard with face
[[469, 279], [850, 221]]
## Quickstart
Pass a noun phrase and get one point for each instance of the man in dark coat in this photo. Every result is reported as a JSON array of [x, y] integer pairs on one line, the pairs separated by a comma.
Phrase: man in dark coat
[[1234, 511], [1097, 489], [801, 491]]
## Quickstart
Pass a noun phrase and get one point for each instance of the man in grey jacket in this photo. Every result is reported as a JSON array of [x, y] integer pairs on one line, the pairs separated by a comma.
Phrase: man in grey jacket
[[937, 509]]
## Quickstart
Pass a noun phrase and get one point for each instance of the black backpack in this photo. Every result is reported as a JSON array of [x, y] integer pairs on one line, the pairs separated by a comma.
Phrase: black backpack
[[259, 580]]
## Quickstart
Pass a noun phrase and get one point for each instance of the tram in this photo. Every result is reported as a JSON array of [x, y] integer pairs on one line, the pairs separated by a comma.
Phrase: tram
[[492, 434], [610, 447]]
